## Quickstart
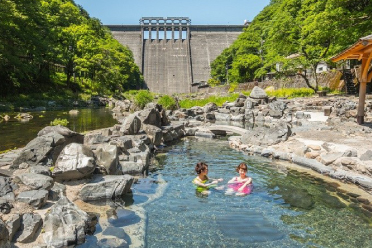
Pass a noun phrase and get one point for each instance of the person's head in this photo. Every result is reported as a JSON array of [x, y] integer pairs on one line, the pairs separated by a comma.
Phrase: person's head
[[201, 167], [242, 167]]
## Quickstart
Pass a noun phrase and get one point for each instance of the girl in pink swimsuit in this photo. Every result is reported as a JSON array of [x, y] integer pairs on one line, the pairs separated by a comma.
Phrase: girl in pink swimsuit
[[242, 184]]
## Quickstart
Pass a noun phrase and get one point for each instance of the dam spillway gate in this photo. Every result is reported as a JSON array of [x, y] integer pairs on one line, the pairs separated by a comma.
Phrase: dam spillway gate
[[172, 54]]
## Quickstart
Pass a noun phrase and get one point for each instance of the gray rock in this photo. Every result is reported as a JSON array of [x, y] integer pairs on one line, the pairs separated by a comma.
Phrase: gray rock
[[6, 186], [239, 117], [75, 161], [150, 116], [131, 125], [366, 156], [39, 169], [106, 187], [93, 139], [209, 107], [4, 235], [154, 133], [279, 106], [107, 157], [30, 225], [209, 117], [13, 224], [222, 117], [311, 163], [35, 181], [133, 168], [45, 148], [329, 158], [258, 93], [164, 118], [65, 225], [57, 191], [35, 198], [264, 136], [5, 206]]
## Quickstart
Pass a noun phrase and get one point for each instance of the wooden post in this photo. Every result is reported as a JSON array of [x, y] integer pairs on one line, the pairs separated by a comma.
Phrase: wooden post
[[362, 98]]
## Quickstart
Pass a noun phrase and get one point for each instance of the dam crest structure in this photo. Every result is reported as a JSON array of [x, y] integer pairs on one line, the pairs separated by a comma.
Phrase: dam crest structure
[[173, 55]]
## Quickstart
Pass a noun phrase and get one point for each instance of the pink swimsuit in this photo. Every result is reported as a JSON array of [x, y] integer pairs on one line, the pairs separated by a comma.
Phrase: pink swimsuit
[[247, 189]]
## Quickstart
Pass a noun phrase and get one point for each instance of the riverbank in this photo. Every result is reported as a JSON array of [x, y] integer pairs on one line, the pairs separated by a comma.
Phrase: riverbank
[[312, 132]]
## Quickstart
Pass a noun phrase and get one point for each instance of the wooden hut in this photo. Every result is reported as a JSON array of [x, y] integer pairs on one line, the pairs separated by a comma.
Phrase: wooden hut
[[361, 50]]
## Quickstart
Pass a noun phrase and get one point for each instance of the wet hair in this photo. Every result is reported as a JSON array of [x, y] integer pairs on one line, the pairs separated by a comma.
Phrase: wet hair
[[242, 166], [200, 167]]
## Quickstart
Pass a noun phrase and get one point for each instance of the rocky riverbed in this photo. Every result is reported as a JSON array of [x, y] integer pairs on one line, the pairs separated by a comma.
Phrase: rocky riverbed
[[48, 189]]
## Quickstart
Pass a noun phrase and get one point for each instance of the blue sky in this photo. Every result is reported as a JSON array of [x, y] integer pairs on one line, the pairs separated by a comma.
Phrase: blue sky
[[199, 11]]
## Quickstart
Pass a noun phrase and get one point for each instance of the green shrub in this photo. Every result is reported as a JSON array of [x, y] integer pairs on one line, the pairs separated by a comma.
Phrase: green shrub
[[167, 102], [232, 87], [130, 94], [142, 98], [213, 82], [218, 100], [291, 92], [58, 121]]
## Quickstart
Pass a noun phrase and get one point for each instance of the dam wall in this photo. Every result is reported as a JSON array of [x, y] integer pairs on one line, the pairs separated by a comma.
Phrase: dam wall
[[207, 42], [166, 66], [171, 53]]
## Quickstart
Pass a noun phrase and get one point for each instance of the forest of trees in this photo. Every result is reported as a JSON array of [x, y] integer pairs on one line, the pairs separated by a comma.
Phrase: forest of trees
[[314, 30], [53, 45]]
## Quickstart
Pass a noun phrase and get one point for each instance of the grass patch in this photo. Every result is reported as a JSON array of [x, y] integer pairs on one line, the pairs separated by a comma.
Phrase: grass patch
[[218, 100], [290, 92]]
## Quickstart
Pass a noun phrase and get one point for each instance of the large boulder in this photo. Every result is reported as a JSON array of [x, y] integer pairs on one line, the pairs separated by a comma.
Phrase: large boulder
[[154, 133], [45, 148], [65, 225], [107, 157], [150, 116], [131, 125], [30, 225], [35, 198], [258, 93], [106, 187], [35, 181], [7, 188], [76, 161], [263, 136]]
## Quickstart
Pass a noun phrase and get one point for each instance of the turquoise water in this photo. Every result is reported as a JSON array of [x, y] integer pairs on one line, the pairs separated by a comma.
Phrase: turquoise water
[[285, 209], [16, 134]]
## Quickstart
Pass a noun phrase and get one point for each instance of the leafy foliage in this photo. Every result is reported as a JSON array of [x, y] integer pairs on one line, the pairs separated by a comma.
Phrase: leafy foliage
[[58, 121], [142, 98], [53, 45], [167, 102], [314, 30]]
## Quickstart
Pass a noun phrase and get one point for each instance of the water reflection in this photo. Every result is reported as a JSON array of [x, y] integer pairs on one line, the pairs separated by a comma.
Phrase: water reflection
[[14, 133]]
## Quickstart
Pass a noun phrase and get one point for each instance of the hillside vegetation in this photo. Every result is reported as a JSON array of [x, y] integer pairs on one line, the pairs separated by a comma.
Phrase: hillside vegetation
[[310, 30], [54, 46]]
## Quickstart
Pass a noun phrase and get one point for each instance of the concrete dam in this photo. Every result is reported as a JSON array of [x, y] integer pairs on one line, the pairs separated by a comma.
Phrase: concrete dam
[[173, 55]]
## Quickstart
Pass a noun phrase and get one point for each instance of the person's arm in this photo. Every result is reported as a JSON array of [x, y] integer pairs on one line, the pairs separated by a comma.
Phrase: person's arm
[[233, 180], [199, 183], [249, 181], [216, 180]]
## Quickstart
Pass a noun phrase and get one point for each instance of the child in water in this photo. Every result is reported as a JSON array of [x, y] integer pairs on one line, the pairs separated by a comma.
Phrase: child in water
[[242, 184], [202, 181]]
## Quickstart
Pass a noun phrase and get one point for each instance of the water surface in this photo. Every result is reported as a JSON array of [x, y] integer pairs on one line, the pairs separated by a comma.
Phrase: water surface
[[286, 208], [16, 134]]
